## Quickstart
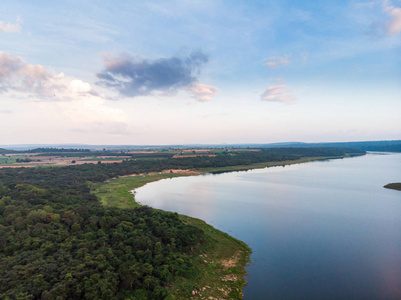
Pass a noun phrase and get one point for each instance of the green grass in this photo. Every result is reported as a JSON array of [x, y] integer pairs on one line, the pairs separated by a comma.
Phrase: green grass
[[117, 192], [394, 186], [6, 160], [12, 159]]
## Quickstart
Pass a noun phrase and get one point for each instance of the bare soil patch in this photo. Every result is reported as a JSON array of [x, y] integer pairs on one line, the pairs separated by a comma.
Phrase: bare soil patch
[[232, 262]]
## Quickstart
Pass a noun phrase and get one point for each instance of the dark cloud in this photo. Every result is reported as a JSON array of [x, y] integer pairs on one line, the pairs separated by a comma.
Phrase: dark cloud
[[136, 77]]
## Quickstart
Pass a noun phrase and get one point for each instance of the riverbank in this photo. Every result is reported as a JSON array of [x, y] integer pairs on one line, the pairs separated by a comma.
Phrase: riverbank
[[221, 257]]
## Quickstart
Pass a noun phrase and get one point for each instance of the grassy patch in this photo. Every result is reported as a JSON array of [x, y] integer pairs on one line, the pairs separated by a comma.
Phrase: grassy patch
[[6, 160], [12, 159], [117, 192]]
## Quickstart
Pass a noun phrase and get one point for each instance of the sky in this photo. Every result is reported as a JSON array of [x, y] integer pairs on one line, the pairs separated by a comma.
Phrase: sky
[[199, 72]]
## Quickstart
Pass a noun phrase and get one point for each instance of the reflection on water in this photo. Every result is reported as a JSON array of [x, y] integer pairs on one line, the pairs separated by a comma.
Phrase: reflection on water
[[318, 230]]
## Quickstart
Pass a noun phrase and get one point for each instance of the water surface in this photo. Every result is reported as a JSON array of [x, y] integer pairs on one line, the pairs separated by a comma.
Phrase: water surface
[[317, 230]]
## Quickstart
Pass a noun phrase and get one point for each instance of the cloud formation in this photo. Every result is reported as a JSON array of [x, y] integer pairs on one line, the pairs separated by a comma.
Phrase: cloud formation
[[274, 62], [277, 93], [203, 92], [10, 27], [393, 26], [390, 25], [37, 81], [70, 97], [133, 77]]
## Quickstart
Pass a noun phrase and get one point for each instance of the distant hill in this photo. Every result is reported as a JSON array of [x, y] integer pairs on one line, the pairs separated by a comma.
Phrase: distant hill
[[385, 146]]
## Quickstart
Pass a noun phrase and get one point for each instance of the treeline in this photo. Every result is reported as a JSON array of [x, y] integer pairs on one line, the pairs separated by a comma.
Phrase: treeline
[[384, 146], [55, 150], [152, 155], [7, 151], [58, 242], [46, 151]]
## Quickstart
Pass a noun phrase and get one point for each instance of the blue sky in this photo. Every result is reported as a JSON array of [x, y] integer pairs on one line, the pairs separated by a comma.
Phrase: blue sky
[[170, 72]]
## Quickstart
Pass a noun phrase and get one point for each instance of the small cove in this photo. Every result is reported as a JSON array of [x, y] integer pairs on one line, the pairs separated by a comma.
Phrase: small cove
[[318, 230]]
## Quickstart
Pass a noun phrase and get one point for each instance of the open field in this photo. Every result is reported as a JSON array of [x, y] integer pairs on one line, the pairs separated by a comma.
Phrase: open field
[[9, 160]]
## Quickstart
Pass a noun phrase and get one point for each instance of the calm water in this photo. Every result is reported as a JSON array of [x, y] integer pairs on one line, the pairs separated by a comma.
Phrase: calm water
[[317, 230]]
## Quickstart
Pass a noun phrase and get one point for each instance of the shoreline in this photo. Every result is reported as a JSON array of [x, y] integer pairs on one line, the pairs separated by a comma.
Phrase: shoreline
[[172, 173], [120, 192]]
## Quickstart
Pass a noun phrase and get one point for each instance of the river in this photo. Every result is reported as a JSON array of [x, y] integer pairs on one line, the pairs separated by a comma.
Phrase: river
[[318, 230]]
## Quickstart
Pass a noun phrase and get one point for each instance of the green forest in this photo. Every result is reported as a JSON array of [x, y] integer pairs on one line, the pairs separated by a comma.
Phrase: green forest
[[58, 242]]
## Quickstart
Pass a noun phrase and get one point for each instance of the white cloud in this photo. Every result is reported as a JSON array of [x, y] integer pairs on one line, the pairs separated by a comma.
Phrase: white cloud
[[203, 92], [57, 94], [393, 26], [38, 82], [10, 27], [277, 93], [277, 61]]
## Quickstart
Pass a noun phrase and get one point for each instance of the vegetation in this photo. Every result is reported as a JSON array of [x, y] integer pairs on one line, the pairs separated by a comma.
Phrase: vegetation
[[116, 192], [15, 159], [57, 240], [23, 160], [43, 150], [56, 150], [394, 186], [384, 146]]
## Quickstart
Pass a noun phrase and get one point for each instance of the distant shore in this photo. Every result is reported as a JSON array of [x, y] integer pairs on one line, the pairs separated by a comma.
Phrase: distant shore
[[394, 186]]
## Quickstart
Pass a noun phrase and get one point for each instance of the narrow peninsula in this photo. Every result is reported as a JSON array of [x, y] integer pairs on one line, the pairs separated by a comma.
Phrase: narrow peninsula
[[394, 186]]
